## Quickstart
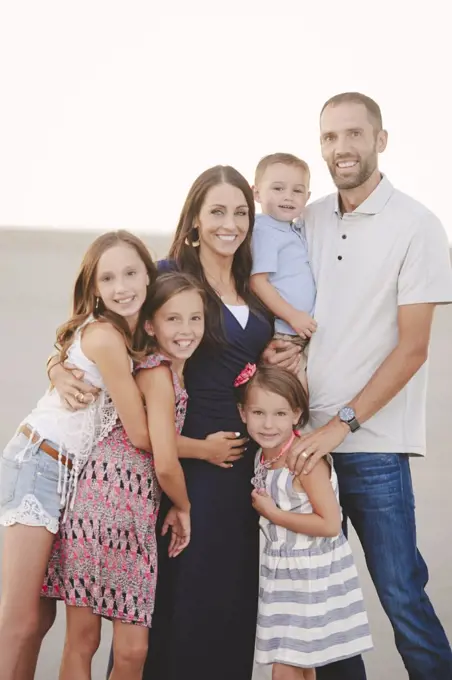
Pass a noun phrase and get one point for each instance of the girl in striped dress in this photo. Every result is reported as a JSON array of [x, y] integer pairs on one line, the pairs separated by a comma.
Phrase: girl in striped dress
[[311, 609]]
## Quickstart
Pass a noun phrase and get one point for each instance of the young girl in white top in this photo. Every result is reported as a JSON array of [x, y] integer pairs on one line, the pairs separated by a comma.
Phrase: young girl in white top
[[311, 609], [104, 561], [40, 465]]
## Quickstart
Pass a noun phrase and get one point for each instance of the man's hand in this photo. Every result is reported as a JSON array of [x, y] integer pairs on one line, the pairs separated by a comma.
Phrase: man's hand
[[263, 503], [74, 392], [224, 448], [282, 353], [308, 449], [179, 522], [303, 324]]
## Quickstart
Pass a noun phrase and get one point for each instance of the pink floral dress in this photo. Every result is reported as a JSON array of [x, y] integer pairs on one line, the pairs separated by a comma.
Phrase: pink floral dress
[[105, 554]]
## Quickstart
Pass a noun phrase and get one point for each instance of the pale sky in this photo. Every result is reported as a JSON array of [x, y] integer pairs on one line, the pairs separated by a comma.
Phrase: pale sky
[[109, 110]]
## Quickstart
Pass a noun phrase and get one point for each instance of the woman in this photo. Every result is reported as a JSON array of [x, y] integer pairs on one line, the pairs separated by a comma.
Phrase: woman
[[205, 618]]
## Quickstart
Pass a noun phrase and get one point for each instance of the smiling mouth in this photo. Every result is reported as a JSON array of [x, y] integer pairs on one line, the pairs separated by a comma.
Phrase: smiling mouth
[[286, 207], [183, 344], [346, 164], [126, 301], [228, 238]]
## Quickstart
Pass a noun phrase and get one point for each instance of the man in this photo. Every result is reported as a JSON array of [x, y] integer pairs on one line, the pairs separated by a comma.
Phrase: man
[[381, 264]]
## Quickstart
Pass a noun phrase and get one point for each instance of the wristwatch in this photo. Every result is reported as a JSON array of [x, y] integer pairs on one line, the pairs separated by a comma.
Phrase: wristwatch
[[347, 415]]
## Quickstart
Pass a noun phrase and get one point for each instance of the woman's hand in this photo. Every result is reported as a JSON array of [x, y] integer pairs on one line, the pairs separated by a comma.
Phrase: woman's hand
[[283, 353], [68, 382], [179, 522], [224, 448]]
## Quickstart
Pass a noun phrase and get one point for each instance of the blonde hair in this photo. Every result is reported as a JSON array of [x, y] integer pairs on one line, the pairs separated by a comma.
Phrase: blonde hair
[[285, 159], [84, 303]]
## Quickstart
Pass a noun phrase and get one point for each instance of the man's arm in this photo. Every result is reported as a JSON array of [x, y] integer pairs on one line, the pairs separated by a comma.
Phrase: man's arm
[[414, 327]]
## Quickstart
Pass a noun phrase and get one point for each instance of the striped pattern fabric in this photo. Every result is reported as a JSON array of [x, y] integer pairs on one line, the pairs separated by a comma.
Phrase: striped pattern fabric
[[311, 609]]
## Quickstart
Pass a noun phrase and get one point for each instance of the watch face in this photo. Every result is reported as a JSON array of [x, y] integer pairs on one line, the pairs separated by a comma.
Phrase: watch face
[[346, 413]]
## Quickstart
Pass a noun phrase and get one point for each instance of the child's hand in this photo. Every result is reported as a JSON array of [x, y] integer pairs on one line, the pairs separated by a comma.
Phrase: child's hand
[[263, 503], [303, 324], [179, 522]]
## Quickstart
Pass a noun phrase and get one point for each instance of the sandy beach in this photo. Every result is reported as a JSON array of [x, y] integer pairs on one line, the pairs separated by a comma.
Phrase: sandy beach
[[37, 271]]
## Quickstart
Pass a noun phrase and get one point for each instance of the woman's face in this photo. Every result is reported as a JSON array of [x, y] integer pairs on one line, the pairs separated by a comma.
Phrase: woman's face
[[223, 221]]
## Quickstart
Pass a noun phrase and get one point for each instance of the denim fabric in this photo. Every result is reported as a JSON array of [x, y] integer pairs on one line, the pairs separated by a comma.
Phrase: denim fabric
[[29, 485], [377, 496]]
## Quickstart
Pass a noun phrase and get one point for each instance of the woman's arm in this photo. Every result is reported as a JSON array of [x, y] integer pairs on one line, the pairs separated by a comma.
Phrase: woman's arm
[[282, 353], [157, 386], [325, 520], [105, 346], [220, 448]]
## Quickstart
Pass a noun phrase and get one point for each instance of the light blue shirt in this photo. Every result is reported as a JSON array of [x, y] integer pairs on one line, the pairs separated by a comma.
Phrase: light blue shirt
[[280, 250]]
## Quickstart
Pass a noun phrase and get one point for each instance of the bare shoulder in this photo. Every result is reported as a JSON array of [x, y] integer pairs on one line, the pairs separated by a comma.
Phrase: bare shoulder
[[101, 335], [156, 384], [155, 375]]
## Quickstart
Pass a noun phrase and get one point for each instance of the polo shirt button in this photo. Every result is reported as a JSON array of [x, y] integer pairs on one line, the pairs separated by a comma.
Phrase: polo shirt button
[[339, 257], [344, 235]]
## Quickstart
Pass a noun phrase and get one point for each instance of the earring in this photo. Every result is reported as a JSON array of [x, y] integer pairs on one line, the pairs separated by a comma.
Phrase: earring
[[97, 304], [194, 238]]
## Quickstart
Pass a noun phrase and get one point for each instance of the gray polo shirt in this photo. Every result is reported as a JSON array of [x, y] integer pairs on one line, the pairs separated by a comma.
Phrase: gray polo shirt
[[280, 250], [390, 251]]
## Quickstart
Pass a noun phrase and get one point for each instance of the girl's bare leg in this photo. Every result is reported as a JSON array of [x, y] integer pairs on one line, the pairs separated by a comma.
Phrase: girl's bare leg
[[283, 672], [26, 552], [130, 648], [81, 643], [27, 666]]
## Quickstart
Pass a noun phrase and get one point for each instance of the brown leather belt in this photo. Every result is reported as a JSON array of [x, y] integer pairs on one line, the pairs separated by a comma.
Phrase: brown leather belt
[[35, 437]]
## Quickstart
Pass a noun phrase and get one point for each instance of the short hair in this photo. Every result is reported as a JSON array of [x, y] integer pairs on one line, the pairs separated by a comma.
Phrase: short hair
[[372, 108], [279, 381], [285, 159]]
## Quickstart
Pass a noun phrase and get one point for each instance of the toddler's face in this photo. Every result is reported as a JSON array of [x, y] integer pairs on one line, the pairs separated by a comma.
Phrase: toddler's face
[[269, 418], [283, 191]]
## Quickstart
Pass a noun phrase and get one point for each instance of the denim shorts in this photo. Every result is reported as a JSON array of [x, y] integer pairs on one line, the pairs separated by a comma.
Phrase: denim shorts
[[29, 485]]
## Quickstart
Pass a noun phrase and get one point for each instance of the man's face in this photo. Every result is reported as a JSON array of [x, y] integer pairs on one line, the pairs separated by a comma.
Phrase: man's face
[[350, 144]]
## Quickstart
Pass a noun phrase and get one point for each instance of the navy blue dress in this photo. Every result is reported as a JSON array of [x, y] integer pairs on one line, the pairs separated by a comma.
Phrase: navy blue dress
[[204, 623]]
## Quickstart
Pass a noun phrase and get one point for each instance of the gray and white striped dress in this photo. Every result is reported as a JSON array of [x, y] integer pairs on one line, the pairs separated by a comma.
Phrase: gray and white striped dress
[[311, 608]]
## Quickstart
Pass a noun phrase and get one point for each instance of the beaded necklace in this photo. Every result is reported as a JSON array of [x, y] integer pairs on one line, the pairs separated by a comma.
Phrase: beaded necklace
[[260, 472]]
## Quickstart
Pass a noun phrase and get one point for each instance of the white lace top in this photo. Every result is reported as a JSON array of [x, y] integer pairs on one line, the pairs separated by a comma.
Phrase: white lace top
[[75, 433]]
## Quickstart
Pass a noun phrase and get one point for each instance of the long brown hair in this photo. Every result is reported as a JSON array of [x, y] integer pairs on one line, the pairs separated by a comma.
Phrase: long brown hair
[[167, 286], [187, 258], [84, 296]]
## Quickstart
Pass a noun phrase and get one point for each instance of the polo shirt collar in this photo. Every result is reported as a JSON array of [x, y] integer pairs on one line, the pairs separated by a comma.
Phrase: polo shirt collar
[[272, 222], [374, 203]]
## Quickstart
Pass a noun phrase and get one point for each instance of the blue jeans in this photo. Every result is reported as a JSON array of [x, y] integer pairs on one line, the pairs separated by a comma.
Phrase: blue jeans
[[377, 496]]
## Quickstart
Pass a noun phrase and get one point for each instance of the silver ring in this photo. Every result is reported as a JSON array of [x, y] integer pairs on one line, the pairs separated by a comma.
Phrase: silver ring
[[304, 454]]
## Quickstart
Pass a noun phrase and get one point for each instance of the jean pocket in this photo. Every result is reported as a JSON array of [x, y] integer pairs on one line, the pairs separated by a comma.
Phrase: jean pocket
[[20, 448], [9, 474], [48, 466]]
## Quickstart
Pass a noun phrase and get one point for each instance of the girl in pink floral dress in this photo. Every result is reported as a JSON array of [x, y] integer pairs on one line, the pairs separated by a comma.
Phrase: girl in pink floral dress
[[104, 562]]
